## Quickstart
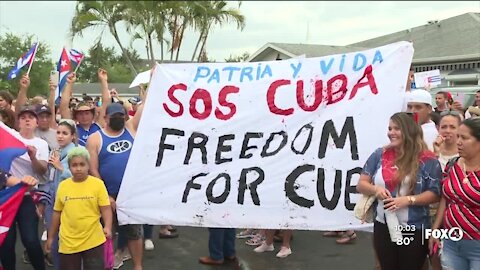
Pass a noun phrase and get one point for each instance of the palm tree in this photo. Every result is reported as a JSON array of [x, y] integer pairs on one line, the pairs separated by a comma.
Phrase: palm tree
[[92, 14], [192, 11], [215, 12], [163, 10], [142, 16], [178, 14]]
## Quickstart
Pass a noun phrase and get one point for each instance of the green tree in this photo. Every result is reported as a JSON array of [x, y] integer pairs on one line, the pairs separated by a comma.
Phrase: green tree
[[96, 57], [99, 56], [216, 12], [141, 20], [13, 47], [163, 11], [91, 14], [238, 58], [119, 73]]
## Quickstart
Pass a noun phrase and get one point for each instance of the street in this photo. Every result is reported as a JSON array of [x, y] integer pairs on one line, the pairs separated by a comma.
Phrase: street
[[310, 251]]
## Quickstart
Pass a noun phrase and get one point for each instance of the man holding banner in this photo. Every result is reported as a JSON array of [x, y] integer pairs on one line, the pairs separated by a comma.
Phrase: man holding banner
[[109, 150]]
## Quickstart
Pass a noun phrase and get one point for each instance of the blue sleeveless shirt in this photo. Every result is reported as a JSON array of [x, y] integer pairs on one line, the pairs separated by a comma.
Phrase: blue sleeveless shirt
[[113, 158], [83, 133]]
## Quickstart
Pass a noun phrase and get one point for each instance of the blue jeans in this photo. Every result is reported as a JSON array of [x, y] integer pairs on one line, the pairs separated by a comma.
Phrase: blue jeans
[[54, 251], [221, 243], [27, 222], [461, 255], [147, 231]]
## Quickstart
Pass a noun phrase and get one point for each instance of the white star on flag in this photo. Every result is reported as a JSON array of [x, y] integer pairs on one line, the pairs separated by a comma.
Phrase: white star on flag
[[3, 229], [64, 63]]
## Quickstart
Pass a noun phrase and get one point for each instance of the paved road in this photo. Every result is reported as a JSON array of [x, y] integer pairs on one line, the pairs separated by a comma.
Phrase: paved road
[[310, 251]]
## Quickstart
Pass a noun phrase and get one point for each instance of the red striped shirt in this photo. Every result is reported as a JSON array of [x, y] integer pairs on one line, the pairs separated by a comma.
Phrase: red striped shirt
[[463, 202]]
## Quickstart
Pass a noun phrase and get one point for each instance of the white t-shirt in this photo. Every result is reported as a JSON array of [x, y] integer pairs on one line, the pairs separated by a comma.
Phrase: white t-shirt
[[22, 166], [430, 134], [444, 160]]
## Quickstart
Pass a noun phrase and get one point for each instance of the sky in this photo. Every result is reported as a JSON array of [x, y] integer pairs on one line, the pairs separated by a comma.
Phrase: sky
[[320, 22]]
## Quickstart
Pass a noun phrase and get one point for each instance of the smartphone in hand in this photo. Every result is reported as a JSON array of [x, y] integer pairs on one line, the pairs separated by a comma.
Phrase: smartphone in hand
[[54, 76], [459, 97]]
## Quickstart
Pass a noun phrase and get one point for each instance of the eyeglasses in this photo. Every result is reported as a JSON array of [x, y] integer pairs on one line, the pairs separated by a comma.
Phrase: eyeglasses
[[454, 113], [69, 122]]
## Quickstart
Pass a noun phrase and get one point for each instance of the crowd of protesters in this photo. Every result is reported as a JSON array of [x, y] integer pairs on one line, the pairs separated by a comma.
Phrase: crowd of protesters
[[428, 176]]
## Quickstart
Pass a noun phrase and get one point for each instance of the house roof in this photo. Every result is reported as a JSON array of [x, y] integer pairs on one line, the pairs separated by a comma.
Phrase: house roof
[[294, 50], [454, 38]]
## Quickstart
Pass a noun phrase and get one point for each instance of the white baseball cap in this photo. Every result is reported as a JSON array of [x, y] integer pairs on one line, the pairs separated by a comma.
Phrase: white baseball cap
[[420, 96]]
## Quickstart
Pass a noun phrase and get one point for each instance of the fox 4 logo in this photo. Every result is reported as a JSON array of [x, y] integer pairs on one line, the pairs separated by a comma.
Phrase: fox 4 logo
[[454, 234]]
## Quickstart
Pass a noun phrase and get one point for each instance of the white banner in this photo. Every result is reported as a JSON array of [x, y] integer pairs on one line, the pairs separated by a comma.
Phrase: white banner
[[275, 144], [429, 78]]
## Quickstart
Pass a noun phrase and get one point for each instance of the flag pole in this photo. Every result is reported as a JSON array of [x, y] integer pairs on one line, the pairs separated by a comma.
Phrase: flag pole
[[33, 58], [79, 63]]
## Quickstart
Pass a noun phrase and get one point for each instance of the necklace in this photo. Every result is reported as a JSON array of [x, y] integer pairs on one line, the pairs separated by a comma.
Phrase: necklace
[[465, 180]]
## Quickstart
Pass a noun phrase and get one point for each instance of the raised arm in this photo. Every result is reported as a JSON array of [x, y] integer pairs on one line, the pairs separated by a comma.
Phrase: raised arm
[[22, 92], [51, 104], [93, 144], [65, 97], [103, 79], [133, 122]]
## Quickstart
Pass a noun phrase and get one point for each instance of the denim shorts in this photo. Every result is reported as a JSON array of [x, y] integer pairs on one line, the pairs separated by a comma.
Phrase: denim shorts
[[461, 255]]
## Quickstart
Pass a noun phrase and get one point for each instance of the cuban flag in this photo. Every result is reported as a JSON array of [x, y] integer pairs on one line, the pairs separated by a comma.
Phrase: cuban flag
[[10, 200], [11, 147], [26, 59], [63, 67], [432, 79], [40, 196], [76, 56]]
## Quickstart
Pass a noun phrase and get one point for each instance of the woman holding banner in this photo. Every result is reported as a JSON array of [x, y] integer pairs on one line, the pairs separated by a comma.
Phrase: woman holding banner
[[405, 178]]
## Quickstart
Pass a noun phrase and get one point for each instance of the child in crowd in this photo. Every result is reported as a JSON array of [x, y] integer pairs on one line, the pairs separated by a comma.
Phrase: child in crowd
[[80, 202]]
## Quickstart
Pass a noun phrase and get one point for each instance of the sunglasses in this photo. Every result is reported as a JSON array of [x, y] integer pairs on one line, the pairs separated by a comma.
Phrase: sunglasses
[[69, 122], [454, 113]]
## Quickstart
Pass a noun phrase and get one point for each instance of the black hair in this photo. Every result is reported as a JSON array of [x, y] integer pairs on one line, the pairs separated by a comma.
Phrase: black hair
[[474, 125], [73, 130], [445, 95], [435, 117]]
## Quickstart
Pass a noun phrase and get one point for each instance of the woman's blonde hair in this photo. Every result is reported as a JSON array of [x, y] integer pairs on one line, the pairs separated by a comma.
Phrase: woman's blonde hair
[[413, 145], [78, 151]]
